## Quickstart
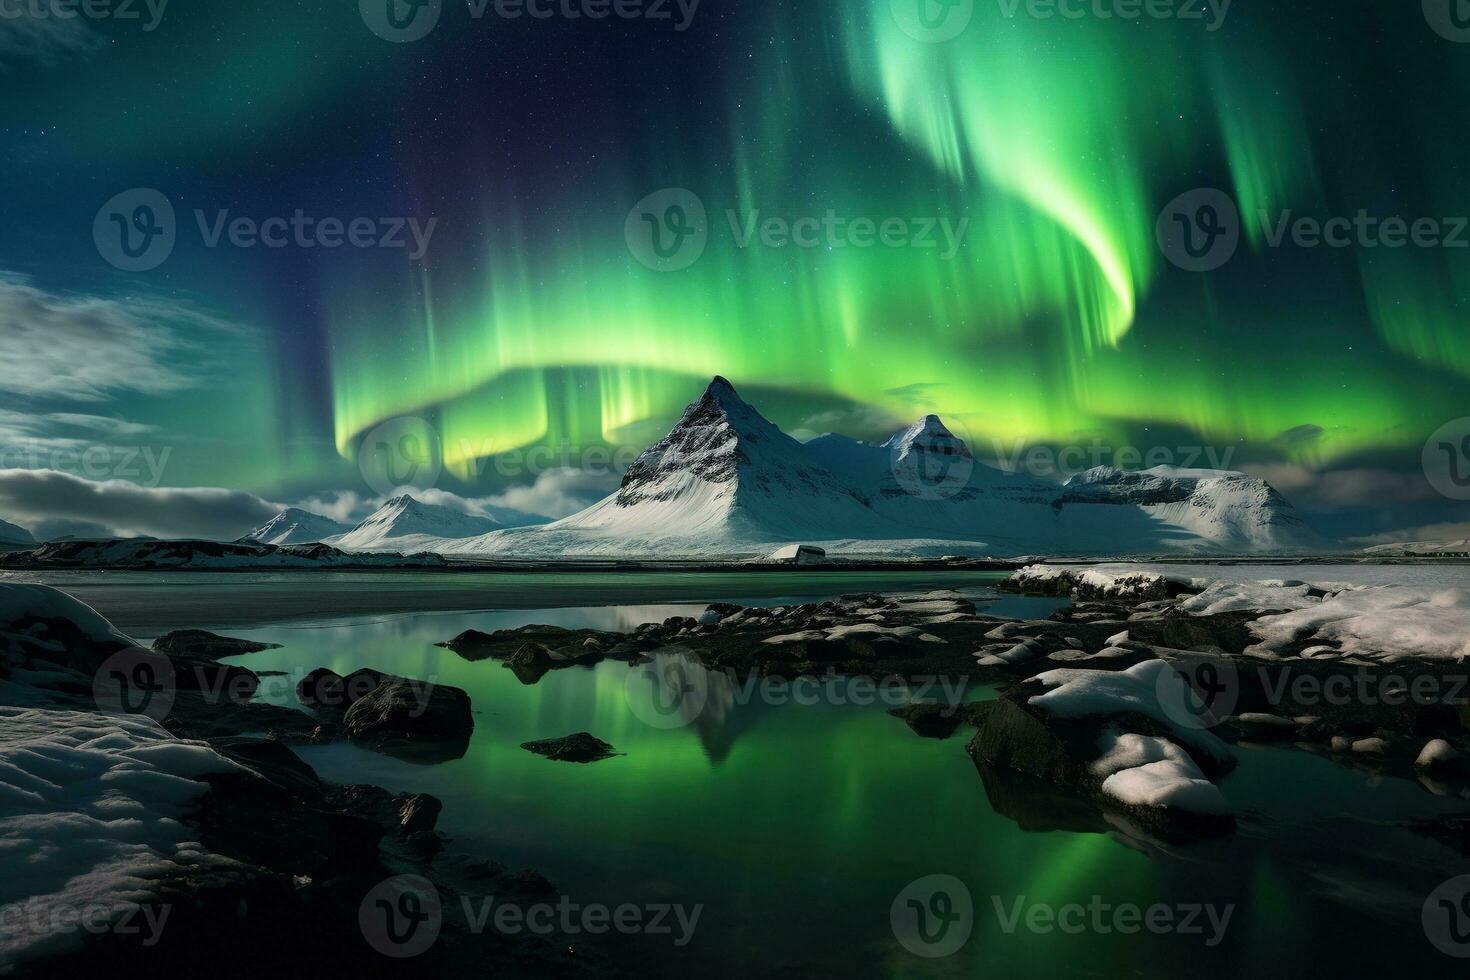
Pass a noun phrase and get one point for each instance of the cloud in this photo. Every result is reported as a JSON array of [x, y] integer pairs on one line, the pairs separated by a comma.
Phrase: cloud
[[556, 493], [34, 497], [1344, 488], [47, 40], [85, 348], [1450, 531]]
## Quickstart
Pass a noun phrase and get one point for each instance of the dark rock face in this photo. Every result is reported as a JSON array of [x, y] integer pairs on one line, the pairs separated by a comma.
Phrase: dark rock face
[[211, 646], [412, 719], [931, 720], [581, 747]]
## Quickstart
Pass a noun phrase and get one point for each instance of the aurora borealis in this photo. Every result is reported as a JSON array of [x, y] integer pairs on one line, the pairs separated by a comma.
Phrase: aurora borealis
[[1055, 139]]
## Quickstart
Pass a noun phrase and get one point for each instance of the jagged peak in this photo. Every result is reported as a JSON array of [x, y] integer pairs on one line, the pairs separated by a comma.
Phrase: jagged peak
[[928, 434]]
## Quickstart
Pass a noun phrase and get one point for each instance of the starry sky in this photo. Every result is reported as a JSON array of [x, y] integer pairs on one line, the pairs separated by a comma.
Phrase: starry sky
[[550, 159]]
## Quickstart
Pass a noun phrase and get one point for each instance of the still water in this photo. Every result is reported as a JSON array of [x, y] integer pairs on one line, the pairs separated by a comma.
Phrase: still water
[[797, 825]]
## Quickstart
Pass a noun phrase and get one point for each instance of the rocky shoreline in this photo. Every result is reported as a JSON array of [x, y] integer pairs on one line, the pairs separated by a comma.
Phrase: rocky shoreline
[[1124, 709]]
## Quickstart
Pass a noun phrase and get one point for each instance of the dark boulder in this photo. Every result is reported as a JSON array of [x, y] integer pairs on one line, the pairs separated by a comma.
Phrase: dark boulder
[[581, 747], [202, 643], [412, 719]]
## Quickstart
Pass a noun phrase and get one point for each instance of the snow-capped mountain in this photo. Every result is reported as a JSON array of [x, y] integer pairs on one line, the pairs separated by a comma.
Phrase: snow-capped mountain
[[1229, 512], [726, 482], [13, 534], [407, 524], [296, 526], [1421, 549]]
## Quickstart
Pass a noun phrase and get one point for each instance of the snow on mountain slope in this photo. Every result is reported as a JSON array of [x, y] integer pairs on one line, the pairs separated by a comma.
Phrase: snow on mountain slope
[[727, 483], [724, 477], [12, 534], [296, 526], [1224, 511], [406, 524]]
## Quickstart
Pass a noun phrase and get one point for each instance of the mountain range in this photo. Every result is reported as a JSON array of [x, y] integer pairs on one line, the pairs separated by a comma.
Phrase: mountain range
[[728, 483]]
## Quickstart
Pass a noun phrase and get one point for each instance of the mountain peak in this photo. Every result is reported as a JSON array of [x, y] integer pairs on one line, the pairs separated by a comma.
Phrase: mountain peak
[[928, 435]]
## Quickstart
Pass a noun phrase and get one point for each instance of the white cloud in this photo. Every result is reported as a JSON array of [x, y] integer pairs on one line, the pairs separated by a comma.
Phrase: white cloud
[[557, 493], [34, 497], [85, 348]]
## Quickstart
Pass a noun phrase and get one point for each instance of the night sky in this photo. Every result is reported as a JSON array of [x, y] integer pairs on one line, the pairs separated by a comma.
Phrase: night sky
[[530, 320]]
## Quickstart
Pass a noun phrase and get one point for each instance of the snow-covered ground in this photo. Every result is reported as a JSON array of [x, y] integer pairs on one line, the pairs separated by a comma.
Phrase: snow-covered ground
[[1381, 612], [91, 805]]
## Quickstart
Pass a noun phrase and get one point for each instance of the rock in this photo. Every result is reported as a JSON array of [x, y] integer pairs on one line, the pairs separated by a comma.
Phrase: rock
[[1014, 735], [1341, 743], [581, 747], [202, 643], [709, 618], [1442, 760], [472, 645], [1370, 746], [531, 662], [322, 686], [412, 718], [931, 720], [1117, 639]]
